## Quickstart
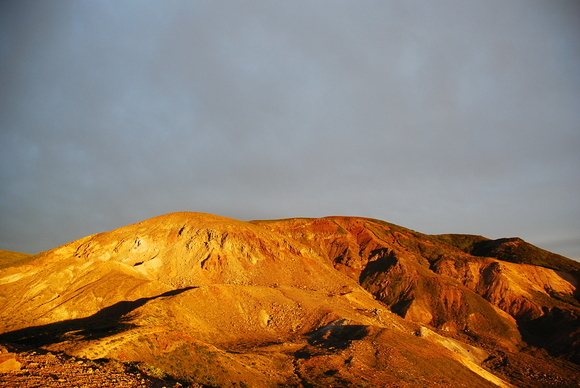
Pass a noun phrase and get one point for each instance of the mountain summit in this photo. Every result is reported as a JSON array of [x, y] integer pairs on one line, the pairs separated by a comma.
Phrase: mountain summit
[[325, 302]]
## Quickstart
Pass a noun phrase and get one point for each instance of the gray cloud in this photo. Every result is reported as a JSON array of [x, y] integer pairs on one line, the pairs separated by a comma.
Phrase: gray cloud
[[442, 117]]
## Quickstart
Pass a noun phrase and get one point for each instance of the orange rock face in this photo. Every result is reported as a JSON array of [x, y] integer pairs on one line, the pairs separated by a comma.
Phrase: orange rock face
[[335, 301]]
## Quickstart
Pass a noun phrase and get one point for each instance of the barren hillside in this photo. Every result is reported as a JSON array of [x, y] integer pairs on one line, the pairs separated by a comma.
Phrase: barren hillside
[[329, 302]]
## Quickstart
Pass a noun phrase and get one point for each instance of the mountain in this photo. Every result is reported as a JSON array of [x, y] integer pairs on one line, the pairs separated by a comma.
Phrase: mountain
[[326, 302]]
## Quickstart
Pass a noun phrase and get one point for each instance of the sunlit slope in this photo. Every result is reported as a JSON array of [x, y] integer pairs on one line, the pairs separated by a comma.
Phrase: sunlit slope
[[11, 259], [337, 301], [435, 280]]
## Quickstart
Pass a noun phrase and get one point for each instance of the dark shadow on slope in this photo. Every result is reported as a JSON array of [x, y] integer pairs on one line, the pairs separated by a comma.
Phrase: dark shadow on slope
[[110, 320], [572, 277], [337, 335], [381, 260], [557, 331]]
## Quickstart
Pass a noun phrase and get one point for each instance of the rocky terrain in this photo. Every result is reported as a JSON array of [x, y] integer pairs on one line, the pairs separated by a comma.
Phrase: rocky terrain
[[202, 300], [27, 367]]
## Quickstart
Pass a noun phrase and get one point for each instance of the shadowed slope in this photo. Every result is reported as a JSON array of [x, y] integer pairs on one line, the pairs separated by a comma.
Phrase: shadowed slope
[[514, 250], [110, 320]]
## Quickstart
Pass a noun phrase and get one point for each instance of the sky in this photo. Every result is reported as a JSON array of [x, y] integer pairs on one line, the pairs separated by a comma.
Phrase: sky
[[443, 117]]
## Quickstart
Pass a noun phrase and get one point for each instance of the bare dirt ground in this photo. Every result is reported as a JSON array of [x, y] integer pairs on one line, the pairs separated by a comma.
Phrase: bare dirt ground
[[39, 368]]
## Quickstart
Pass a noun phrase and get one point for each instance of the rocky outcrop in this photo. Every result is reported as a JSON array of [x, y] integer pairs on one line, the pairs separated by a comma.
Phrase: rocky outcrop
[[9, 362]]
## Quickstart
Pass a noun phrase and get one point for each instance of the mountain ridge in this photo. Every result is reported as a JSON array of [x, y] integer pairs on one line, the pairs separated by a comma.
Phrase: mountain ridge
[[204, 298]]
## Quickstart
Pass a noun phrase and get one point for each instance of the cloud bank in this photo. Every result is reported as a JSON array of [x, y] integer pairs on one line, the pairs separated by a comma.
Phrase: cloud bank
[[442, 117]]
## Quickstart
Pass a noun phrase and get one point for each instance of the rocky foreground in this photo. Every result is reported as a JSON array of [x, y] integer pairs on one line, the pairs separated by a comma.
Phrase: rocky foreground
[[27, 367], [332, 302]]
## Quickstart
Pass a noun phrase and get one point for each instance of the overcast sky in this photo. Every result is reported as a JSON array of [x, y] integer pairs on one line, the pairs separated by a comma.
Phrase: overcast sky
[[440, 116]]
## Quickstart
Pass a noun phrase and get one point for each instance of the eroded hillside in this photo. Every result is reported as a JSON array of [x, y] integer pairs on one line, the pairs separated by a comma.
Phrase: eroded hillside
[[336, 301]]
